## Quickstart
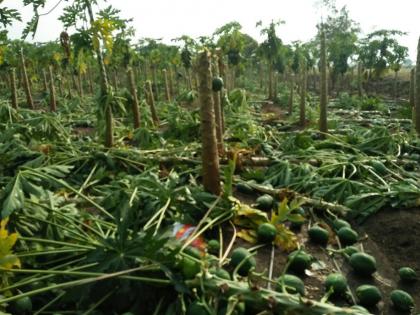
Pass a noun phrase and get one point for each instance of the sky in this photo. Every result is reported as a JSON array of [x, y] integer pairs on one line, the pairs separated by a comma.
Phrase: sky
[[168, 19]]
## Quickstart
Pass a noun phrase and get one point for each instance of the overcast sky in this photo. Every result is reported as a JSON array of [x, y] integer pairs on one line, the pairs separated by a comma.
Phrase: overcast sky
[[168, 19]]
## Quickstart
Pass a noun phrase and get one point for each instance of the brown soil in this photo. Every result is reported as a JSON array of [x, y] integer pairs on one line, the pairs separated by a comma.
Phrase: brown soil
[[392, 237], [395, 241]]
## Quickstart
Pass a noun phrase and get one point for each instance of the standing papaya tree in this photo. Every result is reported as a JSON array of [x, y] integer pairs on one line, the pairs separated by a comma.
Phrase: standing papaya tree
[[295, 66], [26, 82], [188, 45], [270, 50], [323, 124], [396, 59], [378, 51], [210, 157], [100, 31], [303, 84], [413, 94], [14, 97], [231, 41], [417, 107], [341, 37]]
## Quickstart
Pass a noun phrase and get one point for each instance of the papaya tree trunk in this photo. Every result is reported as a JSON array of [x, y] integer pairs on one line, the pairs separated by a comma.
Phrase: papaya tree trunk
[[323, 125], [302, 105], [275, 85], [395, 86], [115, 79], [61, 84], [368, 82], [291, 93], [222, 74], [14, 97], [188, 79], [413, 94], [171, 82], [167, 89], [89, 74], [105, 87], [21, 83], [146, 70], [134, 99], [45, 80], [151, 102], [155, 83], [75, 85], [26, 84], [69, 87], [417, 124], [80, 84], [359, 80], [210, 158], [217, 111], [176, 79], [53, 100], [270, 80], [196, 84]]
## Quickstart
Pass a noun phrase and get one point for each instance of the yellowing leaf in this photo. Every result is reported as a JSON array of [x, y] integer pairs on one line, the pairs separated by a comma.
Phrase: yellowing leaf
[[285, 238], [248, 235], [7, 259], [248, 217]]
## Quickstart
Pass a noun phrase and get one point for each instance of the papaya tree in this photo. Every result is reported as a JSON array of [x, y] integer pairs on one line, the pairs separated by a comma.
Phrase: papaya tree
[[417, 80], [295, 64], [270, 50], [100, 29], [323, 124], [210, 158], [231, 41], [341, 35], [306, 63], [186, 55], [377, 52], [413, 94], [396, 57]]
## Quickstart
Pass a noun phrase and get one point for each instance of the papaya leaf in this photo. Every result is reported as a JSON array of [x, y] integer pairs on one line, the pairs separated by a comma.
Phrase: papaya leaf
[[285, 238], [15, 197], [248, 217], [7, 240], [248, 235]]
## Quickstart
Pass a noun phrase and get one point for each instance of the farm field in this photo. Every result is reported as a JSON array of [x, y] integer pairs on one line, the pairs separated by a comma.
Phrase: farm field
[[216, 175]]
